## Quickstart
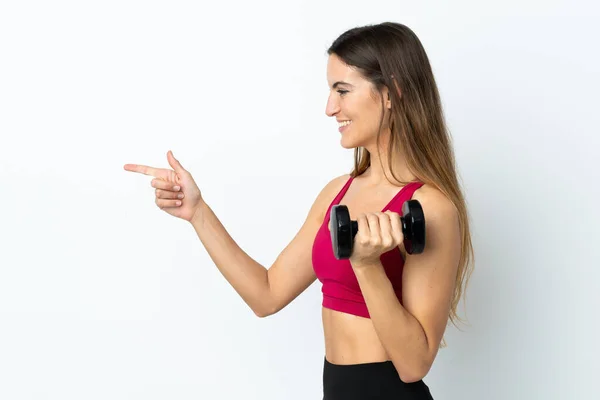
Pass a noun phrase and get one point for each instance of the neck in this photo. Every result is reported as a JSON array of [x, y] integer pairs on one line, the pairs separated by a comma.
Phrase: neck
[[379, 172]]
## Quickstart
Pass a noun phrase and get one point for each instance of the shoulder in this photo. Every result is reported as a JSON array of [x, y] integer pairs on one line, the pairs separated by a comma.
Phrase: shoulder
[[328, 193], [333, 187], [336, 184], [436, 205]]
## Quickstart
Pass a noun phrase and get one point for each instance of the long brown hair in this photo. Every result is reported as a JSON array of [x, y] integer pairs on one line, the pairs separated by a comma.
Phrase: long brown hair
[[390, 55]]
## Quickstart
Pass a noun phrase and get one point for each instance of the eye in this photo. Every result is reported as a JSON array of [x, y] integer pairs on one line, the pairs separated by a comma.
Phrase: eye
[[342, 92]]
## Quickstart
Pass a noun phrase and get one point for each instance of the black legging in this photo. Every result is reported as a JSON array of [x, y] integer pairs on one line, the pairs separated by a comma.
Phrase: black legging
[[375, 380]]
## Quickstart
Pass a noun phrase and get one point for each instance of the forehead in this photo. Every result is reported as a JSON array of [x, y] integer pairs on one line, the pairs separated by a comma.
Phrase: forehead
[[337, 70]]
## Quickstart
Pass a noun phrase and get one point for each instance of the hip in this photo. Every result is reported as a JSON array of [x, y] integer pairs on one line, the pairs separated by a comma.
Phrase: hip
[[370, 380]]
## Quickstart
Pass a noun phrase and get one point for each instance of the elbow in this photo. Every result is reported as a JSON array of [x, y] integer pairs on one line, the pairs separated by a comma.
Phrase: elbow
[[264, 307], [411, 378], [412, 374], [264, 312]]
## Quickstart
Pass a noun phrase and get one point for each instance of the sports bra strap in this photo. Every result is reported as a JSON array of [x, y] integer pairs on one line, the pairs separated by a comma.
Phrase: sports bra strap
[[406, 193]]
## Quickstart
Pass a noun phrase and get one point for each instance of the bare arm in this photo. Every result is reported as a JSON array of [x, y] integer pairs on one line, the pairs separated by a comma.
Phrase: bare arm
[[246, 276], [266, 291]]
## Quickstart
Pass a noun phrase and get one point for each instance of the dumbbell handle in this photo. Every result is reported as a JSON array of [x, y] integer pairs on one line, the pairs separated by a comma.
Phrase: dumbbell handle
[[405, 227]]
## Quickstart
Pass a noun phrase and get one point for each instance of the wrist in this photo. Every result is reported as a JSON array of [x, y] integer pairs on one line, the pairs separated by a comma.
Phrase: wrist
[[198, 212], [363, 264]]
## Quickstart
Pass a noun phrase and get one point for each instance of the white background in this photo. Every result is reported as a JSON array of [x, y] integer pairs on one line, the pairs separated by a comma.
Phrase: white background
[[104, 296]]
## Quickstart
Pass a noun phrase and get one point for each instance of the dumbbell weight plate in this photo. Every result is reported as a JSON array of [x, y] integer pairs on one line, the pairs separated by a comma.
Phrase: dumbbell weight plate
[[343, 231], [413, 227]]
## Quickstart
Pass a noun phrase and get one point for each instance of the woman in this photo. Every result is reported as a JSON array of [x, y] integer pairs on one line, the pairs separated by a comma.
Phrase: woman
[[384, 311]]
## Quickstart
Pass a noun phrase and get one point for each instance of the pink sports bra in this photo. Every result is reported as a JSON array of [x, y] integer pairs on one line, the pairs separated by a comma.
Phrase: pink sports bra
[[340, 288]]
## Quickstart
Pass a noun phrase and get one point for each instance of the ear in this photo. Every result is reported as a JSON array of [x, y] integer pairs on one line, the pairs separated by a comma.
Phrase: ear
[[388, 102], [396, 85]]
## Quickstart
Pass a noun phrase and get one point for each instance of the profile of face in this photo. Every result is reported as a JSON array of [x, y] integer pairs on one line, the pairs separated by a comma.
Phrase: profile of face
[[354, 104]]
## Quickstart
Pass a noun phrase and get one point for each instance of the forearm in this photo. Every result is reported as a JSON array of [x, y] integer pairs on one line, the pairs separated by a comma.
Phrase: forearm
[[400, 333], [248, 278]]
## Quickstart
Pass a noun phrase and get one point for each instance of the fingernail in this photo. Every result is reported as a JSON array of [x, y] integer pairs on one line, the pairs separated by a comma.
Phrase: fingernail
[[176, 188]]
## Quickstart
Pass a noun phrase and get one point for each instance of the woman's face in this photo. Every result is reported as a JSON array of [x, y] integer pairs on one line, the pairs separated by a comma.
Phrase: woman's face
[[351, 98]]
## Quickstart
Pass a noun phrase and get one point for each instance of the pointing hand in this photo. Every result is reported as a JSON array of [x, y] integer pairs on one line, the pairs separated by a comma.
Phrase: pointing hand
[[176, 192]]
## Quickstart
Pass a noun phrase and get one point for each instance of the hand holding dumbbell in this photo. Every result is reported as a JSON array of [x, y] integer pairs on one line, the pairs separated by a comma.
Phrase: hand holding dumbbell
[[343, 229]]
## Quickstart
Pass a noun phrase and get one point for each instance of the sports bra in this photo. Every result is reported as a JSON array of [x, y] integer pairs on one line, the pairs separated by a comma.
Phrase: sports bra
[[340, 288]]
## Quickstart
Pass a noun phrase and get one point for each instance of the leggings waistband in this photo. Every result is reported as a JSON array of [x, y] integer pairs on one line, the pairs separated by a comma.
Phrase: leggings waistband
[[372, 380]]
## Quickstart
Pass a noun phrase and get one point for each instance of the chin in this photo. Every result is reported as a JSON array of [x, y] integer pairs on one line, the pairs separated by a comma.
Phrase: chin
[[350, 144], [347, 144]]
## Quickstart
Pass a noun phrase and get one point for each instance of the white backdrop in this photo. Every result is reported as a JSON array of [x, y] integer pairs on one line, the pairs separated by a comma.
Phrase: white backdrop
[[104, 296]]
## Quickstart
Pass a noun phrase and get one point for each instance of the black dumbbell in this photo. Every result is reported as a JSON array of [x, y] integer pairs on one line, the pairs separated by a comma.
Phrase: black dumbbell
[[343, 229]]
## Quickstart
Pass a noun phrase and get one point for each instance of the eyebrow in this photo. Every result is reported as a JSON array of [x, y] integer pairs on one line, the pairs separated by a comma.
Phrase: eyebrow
[[341, 83]]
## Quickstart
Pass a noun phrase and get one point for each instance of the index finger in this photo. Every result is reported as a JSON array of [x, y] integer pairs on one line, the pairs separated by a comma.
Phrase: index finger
[[143, 169]]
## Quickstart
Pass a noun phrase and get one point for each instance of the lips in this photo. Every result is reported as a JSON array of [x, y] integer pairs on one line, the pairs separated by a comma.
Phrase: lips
[[344, 126]]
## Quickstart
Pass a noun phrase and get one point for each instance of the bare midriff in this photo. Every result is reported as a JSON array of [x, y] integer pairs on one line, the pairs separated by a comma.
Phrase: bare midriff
[[350, 339]]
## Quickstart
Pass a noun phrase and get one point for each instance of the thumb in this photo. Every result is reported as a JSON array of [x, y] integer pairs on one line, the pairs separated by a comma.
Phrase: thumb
[[176, 165]]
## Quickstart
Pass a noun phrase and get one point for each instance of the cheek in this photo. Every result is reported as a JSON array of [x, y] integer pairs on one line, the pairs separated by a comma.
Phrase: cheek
[[374, 117], [366, 111]]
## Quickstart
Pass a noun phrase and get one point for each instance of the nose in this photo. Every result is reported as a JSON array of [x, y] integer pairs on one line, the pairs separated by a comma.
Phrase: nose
[[332, 107]]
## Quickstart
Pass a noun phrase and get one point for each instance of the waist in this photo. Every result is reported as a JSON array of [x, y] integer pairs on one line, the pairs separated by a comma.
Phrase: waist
[[372, 380], [350, 339]]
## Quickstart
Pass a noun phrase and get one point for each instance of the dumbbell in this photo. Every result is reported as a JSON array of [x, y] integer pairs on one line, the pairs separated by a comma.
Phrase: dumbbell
[[343, 229]]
